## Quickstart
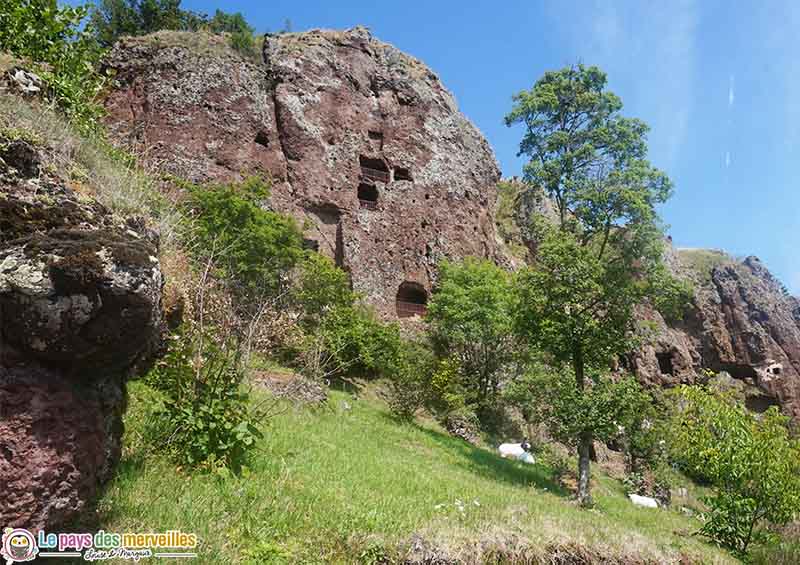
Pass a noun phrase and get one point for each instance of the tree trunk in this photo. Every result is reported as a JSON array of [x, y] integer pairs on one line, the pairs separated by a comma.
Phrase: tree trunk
[[585, 439], [584, 458]]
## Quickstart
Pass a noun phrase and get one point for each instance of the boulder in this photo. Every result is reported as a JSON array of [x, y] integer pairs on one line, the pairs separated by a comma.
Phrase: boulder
[[742, 325], [80, 311]]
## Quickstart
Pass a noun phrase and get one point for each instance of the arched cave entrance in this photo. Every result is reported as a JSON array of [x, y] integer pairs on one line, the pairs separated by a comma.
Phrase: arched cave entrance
[[367, 196], [412, 300]]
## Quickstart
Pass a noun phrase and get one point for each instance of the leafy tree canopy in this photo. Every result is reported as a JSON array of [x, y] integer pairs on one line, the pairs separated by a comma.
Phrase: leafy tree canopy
[[603, 256]]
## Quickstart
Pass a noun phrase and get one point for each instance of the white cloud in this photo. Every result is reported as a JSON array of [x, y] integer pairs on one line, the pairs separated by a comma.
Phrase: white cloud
[[731, 94]]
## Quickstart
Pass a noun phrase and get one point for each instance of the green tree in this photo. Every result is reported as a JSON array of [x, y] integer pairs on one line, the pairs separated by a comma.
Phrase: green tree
[[470, 318], [603, 256], [751, 460], [223, 22], [58, 38], [113, 19]]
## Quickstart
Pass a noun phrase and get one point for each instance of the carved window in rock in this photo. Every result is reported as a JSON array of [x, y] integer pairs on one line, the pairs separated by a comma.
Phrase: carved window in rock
[[412, 300], [262, 138], [665, 363], [401, 173], [376, 140], [367, 196], [373, 169]]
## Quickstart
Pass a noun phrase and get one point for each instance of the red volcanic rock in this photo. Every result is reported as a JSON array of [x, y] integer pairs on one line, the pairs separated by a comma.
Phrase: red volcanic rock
[[364, 144], [58, 442]]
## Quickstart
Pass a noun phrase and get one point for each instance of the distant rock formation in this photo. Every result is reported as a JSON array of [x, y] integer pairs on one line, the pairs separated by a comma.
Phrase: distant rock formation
[[80, 296], [365, 146], [742, 322]]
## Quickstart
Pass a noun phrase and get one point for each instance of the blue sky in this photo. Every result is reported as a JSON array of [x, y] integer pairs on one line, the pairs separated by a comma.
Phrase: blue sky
[[718, 82]]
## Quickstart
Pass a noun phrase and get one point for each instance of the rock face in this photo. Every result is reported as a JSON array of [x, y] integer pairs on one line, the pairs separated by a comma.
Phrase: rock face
[[742, 322], [364, 144], [80, 296]]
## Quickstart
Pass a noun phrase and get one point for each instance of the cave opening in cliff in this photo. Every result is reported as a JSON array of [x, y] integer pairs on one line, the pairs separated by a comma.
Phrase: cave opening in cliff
[[367, 196], [412, 300], [373, 169], [402, 174], [665, 363], [262, 138]]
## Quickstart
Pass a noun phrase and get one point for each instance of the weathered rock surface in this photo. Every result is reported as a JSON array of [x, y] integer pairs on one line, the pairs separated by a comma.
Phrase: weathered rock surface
[[742, 322], [365, 145], [80, 296]]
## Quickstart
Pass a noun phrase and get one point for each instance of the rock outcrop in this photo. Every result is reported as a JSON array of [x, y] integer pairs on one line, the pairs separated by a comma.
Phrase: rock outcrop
[[364, 145], [742, 322], [80, 296]]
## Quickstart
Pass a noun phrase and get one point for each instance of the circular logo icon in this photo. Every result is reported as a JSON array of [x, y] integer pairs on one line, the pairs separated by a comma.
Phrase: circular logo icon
[[18, 545]]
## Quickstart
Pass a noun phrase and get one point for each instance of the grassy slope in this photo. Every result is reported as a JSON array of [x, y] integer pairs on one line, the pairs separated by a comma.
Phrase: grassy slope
[[333, 485]]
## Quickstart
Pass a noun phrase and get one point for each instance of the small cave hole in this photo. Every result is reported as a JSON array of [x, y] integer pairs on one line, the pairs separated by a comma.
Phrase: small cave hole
[[367, 196], [412, 300], [665, 363], [262, 138], [776, 370], [402, 174]]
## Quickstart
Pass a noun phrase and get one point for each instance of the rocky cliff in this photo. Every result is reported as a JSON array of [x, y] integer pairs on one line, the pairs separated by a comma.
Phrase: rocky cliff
[[364, 145], [80, 296], [742, 322]]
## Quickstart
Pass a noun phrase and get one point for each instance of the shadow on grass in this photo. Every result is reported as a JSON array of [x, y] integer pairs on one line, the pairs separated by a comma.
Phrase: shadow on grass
[[96, 517], [491, 466]]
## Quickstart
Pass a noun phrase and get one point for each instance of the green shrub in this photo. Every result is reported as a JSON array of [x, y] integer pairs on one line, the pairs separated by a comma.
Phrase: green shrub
[[62, 45], [319, 287], [409, 379], [206, 421], [113, 19], [361, 344], [240, 33], [251, 247], [751, 460], [470, 319]]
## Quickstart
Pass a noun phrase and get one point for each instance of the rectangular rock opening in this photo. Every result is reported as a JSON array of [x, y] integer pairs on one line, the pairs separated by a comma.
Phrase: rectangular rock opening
[[665, 363], [402, 174], [376, 140], [373, 169], [367, 196]]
